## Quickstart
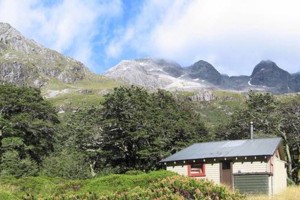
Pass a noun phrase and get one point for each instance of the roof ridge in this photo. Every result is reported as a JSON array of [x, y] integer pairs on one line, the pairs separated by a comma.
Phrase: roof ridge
[[238, 140]]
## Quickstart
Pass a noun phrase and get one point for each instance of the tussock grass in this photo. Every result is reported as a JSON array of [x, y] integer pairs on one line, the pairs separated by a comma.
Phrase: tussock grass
[[291, 193]]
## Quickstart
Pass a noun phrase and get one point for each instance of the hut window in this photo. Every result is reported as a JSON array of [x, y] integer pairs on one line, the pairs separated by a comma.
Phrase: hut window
[[197, 169], [226, 165]]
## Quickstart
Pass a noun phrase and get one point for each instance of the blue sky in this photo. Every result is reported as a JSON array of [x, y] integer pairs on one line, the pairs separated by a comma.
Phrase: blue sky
[[233, 35]]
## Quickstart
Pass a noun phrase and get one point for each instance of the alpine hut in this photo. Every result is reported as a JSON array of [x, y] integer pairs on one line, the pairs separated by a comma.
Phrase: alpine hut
[[251, 166]]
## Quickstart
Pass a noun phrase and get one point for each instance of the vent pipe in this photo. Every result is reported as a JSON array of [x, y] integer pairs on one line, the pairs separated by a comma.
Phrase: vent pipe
[[251, 130]]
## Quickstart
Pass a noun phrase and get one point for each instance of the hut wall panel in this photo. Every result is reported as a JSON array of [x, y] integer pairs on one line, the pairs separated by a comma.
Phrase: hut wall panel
[[280, 176], [250, 167], [180, 169], [213, 172]]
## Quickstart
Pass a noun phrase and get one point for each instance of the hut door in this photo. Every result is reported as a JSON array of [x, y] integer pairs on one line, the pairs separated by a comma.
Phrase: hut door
[[226, 173]]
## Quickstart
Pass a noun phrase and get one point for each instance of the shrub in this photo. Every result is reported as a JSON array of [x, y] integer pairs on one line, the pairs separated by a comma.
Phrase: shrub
[[13, 165], [134, 172], [179, 187], [67, 164], [155, 185]]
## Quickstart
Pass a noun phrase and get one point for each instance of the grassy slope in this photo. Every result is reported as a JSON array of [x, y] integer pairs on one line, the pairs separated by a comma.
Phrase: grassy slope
[[12, 188], [218, 111], [87, 92], [164, 184], [90, 92], [291, 193]]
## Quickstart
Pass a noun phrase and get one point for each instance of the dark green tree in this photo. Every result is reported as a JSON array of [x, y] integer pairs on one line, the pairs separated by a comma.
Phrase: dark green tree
[[289, 128], [27, 125], [261, 110], [68, 163], [140, 128], [271, 118], [82, 132], [12, 165]]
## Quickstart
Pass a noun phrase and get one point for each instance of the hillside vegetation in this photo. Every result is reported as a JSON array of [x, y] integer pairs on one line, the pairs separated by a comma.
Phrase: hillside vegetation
[[155, 185], [83, 93], [129, 129]]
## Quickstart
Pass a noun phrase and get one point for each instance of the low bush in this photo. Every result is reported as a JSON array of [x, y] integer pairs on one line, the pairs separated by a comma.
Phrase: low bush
[[178, 187], [154, 185]]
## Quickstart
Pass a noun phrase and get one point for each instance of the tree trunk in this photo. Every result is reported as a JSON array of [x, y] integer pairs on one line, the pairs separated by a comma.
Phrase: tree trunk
[[92, 165], [288, 154], [298, 169]]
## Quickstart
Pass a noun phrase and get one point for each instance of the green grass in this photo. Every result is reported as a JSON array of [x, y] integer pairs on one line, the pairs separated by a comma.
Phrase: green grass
[[46, 187], [76, 100], [154, 185], [118, 182], [17, 188], [87, 92], [219, 110]]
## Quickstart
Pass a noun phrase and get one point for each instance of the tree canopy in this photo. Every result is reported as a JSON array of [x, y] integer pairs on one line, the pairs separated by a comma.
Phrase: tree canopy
[[271, 118], [132, 129], [140, 128], [27, 128], [261, 110]]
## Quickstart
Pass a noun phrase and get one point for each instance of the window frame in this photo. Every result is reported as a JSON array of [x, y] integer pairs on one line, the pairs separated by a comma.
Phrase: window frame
[[226, 165], [200, 173]]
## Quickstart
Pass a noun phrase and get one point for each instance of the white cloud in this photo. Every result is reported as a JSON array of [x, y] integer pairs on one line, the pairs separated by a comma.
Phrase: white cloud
[[233, 35], [20, 14], [67, 26], [225, 32], [138, 29]]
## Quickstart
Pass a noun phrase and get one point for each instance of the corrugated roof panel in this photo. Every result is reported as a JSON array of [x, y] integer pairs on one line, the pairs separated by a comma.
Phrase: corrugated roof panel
[[234, 148]]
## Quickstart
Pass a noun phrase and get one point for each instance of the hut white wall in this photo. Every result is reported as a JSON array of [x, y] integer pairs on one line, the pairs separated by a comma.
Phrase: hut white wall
[[212, 171], [179, 169], [250, 167], [279, 176]]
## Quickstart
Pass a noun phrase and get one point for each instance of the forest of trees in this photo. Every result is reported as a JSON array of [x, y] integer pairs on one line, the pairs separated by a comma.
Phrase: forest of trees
[[132, 129]]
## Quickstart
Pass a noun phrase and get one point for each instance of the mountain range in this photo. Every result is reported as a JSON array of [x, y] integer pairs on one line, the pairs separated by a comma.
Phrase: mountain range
[[159, 73], [61, 79], [25, 62]]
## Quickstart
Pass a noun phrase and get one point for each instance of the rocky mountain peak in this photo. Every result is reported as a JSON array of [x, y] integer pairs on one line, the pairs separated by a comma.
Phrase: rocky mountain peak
[[23, 61], [265, 65], [11, 38], [267, 73], [159, 73], [204, 71], [152, 74]]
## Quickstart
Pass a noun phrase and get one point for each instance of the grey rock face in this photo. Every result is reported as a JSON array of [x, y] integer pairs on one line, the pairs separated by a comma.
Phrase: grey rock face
[[23, 61], [294, 82], [203, 95], [267, 73], [14, 72], [204, 71], [153, 74], [171, 68], [236, 82]]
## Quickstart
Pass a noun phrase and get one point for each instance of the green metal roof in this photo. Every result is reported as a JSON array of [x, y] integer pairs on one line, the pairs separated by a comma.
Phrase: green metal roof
[[227, 149]]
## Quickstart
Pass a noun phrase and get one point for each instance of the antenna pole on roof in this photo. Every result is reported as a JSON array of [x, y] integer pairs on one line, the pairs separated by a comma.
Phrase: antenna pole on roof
[[251, 130]]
